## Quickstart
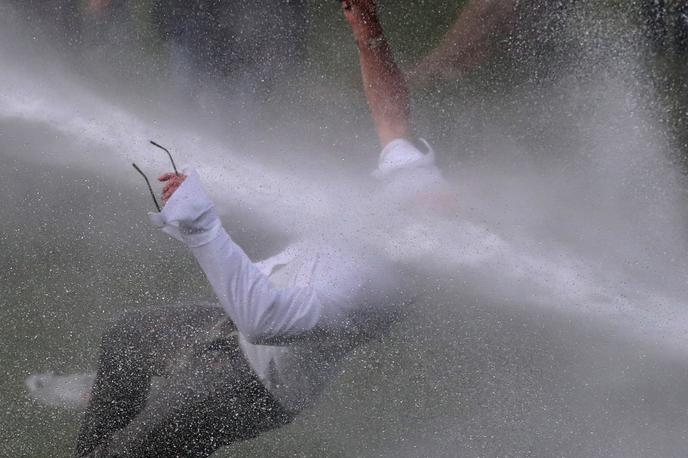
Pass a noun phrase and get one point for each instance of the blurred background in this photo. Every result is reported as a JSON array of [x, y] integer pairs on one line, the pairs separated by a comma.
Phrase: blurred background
[[562, 122]]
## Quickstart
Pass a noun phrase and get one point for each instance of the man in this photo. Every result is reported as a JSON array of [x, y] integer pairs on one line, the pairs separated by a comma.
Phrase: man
[[226, 37], [289, 320], [236, 46]]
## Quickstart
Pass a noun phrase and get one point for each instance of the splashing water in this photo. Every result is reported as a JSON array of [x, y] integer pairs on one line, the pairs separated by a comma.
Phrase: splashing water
[[559, 275], [595, 236]]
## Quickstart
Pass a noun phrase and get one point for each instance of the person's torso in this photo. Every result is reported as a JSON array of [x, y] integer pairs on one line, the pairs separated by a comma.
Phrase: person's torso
[[296, 373]]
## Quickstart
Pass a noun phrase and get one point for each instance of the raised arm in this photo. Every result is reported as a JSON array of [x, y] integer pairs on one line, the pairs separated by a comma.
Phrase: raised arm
[[261, 312], [470, 40], [383, 82]]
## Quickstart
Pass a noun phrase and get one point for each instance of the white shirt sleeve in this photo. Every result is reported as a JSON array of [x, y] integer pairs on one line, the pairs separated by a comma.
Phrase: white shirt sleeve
[[261, 312], [401, 154]]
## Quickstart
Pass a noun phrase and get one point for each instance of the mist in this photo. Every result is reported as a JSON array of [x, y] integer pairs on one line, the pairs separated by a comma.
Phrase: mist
[[551, 309]]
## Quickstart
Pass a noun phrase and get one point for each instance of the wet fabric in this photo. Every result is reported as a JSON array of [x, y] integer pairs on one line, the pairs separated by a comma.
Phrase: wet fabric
[[208, 395], [329, 296], [263, 38]]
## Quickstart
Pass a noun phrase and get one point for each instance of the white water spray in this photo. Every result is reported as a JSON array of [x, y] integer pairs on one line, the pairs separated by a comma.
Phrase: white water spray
[[567, 236], [555, 274]]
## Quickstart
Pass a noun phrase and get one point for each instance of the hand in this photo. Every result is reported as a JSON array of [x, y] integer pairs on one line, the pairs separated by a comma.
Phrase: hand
[[173, 182], [362, 15]]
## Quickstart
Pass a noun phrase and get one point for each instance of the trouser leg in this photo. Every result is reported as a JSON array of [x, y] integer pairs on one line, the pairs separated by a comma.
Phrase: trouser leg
[[138, 346], [210, 400]]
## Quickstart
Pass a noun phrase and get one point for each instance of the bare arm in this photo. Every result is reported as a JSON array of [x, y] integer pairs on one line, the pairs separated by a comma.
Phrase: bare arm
[[469, 41], [98, 7], [383, 82]]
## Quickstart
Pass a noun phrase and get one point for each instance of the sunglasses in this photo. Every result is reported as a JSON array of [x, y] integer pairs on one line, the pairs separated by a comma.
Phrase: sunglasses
[[150, 188]]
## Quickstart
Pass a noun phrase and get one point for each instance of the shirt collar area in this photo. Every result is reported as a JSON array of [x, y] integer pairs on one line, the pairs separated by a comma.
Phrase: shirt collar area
[[402, 154]]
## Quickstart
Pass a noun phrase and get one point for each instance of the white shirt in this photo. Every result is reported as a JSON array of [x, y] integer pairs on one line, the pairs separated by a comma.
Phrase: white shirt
[[300, 312]]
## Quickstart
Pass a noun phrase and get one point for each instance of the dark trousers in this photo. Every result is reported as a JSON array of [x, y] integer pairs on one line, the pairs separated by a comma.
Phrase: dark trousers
[[208, 395]]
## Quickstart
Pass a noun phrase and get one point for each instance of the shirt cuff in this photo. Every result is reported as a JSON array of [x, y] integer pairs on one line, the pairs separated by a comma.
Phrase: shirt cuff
[[402, 154], [189, 215]]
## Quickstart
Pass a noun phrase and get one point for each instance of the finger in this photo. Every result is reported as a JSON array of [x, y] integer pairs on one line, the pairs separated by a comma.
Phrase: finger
[[172, 182], [167, 176], [169, 190], [176, 181]]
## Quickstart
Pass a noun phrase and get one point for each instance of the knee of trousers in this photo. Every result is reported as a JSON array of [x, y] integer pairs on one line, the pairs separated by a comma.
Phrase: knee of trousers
[[127, 330]]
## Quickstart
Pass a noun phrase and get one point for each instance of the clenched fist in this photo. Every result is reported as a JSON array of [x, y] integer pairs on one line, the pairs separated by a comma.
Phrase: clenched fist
[[173, 182]]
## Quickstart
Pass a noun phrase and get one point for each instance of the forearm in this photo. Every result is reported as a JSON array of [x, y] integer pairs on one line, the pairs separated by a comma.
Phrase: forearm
[[384, 84], [470, 39], [261, 312]]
